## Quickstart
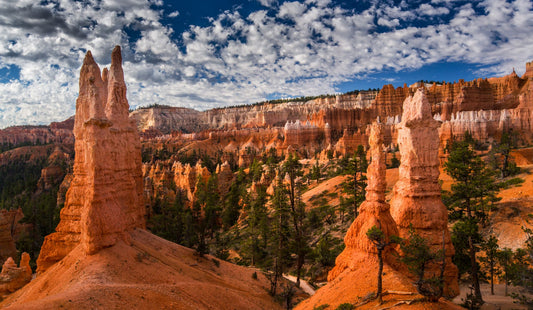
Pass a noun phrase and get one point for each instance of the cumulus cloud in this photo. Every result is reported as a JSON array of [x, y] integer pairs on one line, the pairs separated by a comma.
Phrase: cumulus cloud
[[290, 48]]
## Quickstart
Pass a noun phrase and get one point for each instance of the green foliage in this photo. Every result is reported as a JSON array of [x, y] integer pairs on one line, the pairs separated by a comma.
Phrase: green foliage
[[491, 248], [378, 238], [473, 194], [231, 212], [321, 307], [354, 186], [152, 106], [499, 156], [315, 173], [256, 234], [376, 235], [511, 182], [345, 306], [281, 233], [417, 255], [206, 212], [168, 219], [394, 162], [324, 251]]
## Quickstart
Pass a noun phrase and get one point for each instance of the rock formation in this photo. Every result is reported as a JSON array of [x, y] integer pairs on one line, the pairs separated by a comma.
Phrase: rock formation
[[14, 277], [104, 200], [56, 132], [160, 174], [224, 178], [417, 194], [168, 119], [374, 211], [7, 244]]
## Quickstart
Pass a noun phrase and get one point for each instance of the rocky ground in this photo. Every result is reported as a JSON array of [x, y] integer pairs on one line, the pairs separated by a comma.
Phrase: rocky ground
[[151, 273]]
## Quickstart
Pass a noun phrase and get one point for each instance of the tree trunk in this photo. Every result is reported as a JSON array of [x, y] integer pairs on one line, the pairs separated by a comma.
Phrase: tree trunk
[[474, 271], [380, 275], [492, 277]]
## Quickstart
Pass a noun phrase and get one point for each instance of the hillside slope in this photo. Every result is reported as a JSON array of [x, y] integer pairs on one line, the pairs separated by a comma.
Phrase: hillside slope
[[151, 273]]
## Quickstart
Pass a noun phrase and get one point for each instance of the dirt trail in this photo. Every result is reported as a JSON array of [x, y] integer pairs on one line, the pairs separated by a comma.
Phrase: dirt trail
[[306, 287]]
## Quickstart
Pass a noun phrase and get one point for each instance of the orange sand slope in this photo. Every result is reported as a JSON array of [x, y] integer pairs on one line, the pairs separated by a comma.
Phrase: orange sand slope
[[355, 287], [152, 273]]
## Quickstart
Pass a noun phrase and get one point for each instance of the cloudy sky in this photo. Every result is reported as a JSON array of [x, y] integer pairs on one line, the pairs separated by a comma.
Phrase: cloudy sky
[[210, 53]]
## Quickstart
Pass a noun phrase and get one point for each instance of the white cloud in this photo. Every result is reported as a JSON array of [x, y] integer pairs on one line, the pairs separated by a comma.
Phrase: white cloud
[[299, 48], [174, 14], [267, 3], [429, 10]]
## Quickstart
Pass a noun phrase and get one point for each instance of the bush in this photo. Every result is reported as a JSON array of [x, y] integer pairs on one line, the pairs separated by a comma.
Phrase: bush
[[345, 306]]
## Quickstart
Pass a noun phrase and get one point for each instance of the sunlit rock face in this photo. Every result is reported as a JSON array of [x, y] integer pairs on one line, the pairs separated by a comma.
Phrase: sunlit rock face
[[374, 211], [417, 199], [14, 277], [104, 201]]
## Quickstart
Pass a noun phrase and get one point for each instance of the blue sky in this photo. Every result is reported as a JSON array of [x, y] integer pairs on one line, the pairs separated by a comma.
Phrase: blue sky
[[205, 54]]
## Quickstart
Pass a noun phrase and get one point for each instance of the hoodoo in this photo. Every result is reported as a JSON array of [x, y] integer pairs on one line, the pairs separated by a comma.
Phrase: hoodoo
[[417, 202], [374, 211], [104, 201], [100, 255], [417, 194], [355, 272]]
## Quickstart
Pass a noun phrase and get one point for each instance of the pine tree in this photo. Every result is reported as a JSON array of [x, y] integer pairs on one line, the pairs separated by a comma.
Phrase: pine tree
[[491, 248], [473, 192], [417, 255], [280, 236], [293, 169], [206, 212], [355, 183], [378, 238]]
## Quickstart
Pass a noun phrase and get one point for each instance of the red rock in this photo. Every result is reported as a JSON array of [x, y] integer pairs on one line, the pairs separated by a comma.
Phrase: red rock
[[417, 194], [224, 177], [7, 244], [104, 200], [14, 277], [374, 211]]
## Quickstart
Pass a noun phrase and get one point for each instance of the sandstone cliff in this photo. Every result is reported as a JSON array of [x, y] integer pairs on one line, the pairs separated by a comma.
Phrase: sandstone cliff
[[56, 132], [169, 119]]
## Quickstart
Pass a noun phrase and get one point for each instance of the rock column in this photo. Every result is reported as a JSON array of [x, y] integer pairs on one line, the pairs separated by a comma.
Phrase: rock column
[[374, 211], [417, 194], [104, 201]]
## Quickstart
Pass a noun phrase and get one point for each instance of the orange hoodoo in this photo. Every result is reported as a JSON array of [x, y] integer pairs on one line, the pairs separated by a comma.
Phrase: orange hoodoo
[[104, 201]]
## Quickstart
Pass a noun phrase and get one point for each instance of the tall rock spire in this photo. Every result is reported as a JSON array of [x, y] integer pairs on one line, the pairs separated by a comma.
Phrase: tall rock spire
[[374, 211], [417, 194], [104, 201]]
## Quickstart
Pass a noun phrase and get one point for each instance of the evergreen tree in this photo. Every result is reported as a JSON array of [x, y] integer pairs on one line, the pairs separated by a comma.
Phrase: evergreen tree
[[376, 235], [232, 207], [293, 169], [167, 218], [206, 212], [315, 174], [355, 184], [505, 259], [257, 229], [473, 192], [491, 248], [280, 237], [417, 255]]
